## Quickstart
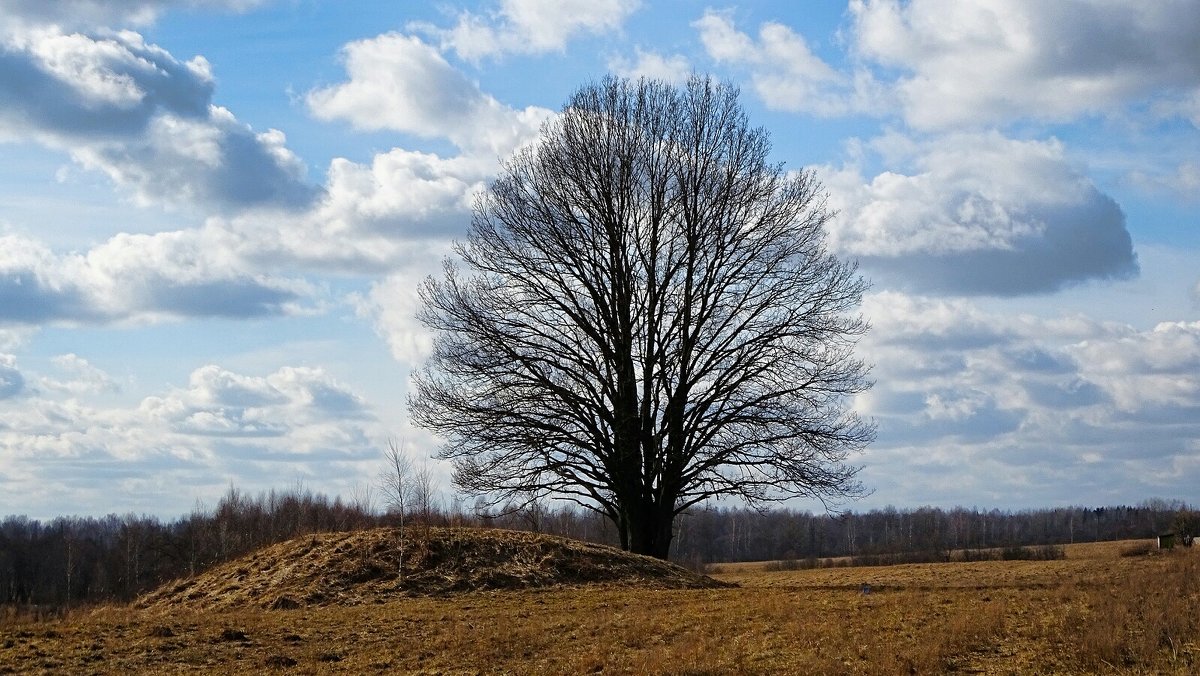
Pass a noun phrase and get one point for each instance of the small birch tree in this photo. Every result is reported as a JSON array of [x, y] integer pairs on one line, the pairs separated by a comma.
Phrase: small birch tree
[[396, 483]]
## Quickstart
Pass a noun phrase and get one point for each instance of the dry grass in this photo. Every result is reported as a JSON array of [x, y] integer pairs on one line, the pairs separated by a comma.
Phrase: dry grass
[[589, 629], [363, 567], [1152, 619], [14, 616], [978, 617]]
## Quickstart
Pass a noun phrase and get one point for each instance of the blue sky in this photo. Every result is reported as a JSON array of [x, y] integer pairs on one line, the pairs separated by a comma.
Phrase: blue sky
[[213, 215]]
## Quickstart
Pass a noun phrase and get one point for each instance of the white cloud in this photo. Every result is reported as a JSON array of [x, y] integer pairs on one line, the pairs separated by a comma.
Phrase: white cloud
[[1189, 107], [130, 110], [404, 206], [12, 382], [1097, 369], [1024, 400], [13, 337], [653, 65], [392, 305], [398, 82], [217, 161], [785, 72], [1142, 370], [944, 323], [190, 439], [982, 63], [404, 192], [137, 277], [980, 214], [79, 377], [218, 402], [529, 26], [75, 86], [144, 118], [1183, 181]]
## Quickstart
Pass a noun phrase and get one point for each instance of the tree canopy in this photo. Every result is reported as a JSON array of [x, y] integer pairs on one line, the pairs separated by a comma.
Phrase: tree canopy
[[650, 318]]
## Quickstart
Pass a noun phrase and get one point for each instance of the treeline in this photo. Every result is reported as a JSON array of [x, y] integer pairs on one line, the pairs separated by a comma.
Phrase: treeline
[[71, 560], [82, 559], [724, 535]]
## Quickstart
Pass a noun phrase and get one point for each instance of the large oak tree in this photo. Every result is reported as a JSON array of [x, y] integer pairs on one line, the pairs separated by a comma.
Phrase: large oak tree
[[650, 319]]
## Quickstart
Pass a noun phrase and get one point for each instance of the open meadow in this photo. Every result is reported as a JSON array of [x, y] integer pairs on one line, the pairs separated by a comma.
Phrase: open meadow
[[1096, 611]]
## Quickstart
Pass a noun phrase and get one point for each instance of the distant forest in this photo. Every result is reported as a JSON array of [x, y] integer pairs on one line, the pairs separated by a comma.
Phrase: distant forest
[[69, 560]]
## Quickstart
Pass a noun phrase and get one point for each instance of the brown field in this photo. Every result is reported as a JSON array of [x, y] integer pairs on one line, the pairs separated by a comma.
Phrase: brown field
[[1094, 612]]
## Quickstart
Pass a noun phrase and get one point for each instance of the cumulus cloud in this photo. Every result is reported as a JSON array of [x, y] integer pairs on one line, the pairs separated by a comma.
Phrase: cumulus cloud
[[77, 377], [1188, 107], [529, 26], [785, 72], [398, 82], [294, 412], [944, 324], [1183, 180], [131, 110], [404, 204], [137, 277], [218, 402], [401, 208], [12, 382], [406, 193], [972, 63], [70, 85], [1145, 369], [392, 305], [35, 286], [652, 65], [13, 337], [981, 214], [1028, 398], [219, 424]]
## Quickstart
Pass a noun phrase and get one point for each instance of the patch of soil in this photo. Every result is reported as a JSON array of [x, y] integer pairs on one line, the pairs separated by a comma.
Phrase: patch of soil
[[364, 567]]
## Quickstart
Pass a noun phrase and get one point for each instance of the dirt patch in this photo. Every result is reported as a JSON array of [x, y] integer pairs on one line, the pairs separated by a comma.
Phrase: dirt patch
[[364, 567]]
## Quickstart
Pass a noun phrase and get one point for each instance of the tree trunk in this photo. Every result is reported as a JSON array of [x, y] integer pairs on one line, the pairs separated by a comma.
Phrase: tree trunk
[[650, 531], [622, 524]]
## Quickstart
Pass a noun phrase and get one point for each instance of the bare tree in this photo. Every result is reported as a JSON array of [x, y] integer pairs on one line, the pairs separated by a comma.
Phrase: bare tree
[[424, 491], [396, 483], [362, 498], [653, 319]]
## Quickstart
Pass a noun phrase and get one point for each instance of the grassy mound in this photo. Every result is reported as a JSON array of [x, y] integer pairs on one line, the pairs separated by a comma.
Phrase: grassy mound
[[363, 567]]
